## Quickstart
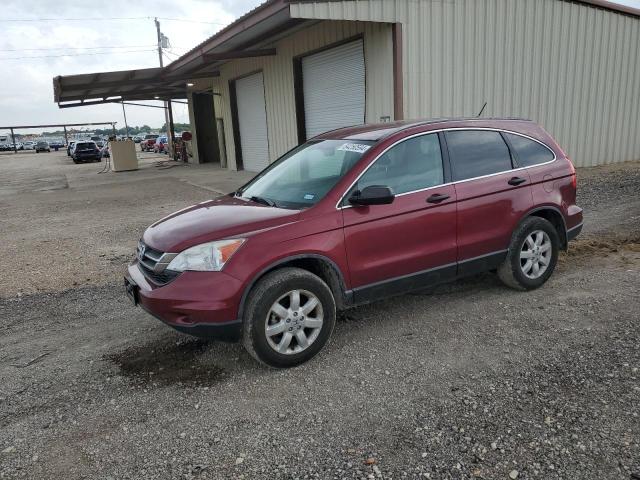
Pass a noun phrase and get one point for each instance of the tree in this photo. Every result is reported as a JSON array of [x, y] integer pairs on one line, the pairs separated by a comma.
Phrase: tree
[[178, 127]]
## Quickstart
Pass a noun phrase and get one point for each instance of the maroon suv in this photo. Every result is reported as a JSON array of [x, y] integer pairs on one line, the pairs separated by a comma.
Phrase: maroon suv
[[353, 216]]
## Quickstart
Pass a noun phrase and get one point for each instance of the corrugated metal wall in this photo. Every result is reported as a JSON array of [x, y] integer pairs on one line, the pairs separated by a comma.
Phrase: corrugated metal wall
[[573, 68], [278, 79]]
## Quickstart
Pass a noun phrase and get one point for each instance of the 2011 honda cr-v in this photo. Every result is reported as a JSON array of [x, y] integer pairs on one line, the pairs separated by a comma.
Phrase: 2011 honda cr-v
[[353, 216]]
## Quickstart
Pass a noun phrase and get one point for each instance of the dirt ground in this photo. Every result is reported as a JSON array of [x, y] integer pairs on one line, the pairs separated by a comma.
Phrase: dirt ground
[[468, 380]]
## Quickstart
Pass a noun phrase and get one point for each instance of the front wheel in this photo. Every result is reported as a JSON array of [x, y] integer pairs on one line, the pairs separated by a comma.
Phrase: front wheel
[[289, 317], [532, 255]]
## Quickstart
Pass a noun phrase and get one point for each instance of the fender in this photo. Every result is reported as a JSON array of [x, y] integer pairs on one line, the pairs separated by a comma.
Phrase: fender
[[347, 295], [558, 211]]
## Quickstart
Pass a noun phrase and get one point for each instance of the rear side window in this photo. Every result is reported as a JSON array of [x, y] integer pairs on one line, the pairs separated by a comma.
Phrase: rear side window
[[475, 153], [414, 164], [529, 152]]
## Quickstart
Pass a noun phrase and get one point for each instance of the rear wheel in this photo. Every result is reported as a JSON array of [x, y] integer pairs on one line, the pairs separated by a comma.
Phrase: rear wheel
[[532, 256], [289, 317]]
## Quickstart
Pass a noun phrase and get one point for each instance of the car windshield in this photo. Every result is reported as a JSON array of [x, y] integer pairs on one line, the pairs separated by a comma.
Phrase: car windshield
[[302, 177]]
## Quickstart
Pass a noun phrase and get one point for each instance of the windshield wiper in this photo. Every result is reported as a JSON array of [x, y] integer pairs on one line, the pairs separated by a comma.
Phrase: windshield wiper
[[263, 201]]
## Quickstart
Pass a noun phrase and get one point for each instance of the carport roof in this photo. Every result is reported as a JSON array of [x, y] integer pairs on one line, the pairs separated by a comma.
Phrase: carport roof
[[141, 84]]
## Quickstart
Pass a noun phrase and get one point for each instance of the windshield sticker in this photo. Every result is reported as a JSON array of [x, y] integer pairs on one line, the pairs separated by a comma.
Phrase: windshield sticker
[[354, 147], [309, 196]]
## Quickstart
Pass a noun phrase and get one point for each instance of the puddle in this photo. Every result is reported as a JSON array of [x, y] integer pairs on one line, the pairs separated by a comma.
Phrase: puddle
[[167, 362]]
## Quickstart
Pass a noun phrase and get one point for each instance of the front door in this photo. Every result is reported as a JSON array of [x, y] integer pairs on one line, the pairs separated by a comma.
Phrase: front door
[[410, 243]]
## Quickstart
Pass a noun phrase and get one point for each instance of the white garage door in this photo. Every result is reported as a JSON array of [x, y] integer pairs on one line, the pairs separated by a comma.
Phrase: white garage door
[[334, 88], [252, 120]]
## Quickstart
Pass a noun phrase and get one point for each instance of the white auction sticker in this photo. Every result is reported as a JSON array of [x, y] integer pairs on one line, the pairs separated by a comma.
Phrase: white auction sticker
[[354, 147]]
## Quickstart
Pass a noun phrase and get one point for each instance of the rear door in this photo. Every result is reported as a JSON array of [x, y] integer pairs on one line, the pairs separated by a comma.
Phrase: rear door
[[411, 242], [492, 196]]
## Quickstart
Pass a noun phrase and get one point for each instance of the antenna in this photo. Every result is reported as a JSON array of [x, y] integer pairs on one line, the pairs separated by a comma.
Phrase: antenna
[[481, 111]]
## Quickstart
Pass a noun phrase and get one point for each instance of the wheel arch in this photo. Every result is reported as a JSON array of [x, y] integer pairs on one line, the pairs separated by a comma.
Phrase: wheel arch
[[555, 217], [319, 265]]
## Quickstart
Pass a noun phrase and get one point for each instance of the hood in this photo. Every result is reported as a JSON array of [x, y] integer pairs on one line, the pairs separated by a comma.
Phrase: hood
[[212, 220]]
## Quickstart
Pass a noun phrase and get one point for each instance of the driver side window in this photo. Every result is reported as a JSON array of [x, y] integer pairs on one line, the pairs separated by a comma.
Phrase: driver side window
[[414, 164]]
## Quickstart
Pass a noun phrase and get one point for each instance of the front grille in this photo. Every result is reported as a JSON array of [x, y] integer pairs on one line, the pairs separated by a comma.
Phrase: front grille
[[161, 278], [153, 264]]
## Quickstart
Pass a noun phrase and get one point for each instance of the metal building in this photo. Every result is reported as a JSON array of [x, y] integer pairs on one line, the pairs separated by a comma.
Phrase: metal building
[[291, 69]]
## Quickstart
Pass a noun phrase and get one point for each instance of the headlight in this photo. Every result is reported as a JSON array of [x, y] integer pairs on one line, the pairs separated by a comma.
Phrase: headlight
[[207, 257]]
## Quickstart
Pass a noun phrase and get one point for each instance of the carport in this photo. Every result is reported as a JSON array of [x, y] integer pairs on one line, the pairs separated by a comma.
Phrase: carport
[[124, 87]]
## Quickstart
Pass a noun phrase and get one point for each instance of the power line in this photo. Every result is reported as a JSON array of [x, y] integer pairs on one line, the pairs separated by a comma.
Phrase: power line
[[72, 48], [19, 20], [75, 54], [191, 21]]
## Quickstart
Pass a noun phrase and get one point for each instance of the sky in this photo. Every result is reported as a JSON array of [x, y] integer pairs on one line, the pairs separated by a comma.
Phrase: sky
[[40, 39]]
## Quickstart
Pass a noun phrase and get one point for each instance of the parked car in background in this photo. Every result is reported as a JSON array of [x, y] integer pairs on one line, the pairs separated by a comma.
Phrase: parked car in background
[[137, 138], [410, 205], [86, 151], [160, 146], [70, 146], [30, 145], [146, 145], [42, 146], [56, 144]]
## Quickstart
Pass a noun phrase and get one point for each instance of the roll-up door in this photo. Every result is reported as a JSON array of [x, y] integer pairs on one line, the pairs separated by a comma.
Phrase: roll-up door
[[252, 122], [334, 88]]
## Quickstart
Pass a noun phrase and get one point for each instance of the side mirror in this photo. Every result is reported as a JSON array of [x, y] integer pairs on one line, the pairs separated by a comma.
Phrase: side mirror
[[372, 195]]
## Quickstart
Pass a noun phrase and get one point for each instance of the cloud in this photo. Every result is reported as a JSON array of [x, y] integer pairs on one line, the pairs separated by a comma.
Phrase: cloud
[[32, 53]]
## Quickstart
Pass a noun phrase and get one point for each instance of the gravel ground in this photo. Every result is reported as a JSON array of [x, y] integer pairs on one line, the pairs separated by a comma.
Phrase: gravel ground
[[469, 380], [63, 225]]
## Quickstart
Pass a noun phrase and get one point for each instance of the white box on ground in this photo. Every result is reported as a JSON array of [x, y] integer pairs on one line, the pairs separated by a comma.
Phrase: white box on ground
[[123, 156]]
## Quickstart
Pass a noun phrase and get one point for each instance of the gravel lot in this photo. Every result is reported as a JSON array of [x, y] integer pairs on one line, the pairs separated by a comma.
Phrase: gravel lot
[[469, 380]]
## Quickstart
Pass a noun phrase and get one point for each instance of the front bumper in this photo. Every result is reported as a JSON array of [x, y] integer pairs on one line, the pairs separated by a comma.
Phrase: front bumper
[[203, 304]]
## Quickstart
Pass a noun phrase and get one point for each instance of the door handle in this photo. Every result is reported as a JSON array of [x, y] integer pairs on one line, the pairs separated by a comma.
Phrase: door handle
[[437, 198], [515, 181]]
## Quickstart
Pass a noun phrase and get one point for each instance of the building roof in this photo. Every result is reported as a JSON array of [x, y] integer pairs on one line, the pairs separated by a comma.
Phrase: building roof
[[242, 38]]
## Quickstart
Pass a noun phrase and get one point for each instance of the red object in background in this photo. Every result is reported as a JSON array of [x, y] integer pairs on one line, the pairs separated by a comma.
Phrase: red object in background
[[425, 236]]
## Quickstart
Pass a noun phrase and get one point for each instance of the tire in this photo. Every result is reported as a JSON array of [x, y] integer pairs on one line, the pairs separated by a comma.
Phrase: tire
[[279, 287], [515, 271]]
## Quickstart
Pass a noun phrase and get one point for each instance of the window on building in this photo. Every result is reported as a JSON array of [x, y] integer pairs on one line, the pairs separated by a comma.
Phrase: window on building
[[529, 152], [475, 153], [414, 164]]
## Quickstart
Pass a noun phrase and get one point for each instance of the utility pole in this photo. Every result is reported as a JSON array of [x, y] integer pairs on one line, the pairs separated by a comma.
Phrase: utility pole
[[13, 140], [168, 121], [126, 127]]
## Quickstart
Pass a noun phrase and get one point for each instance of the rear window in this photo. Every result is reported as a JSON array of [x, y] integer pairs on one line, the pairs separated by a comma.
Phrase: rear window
[[150, 137], [529, 152], [475, 153], [86, 145]]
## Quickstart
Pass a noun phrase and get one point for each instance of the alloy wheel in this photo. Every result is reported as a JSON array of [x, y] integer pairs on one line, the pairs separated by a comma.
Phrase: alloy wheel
[[535, 254], [294, 322]]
